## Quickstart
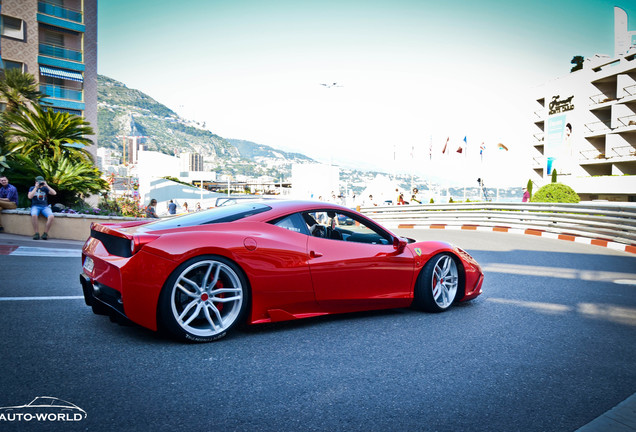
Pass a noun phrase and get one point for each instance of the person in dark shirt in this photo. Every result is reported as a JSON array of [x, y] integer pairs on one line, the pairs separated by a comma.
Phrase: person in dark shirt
[[150, 210], [38, 194], [8, 197], [172, 208]]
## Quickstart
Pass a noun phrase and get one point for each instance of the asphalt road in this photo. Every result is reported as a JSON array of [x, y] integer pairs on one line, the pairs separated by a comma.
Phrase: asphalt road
[[549, 346]]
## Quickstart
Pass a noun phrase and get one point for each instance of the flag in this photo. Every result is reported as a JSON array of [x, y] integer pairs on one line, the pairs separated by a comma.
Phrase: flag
[[430, 148], [502, 147], [445, 146], [460, 149], [482, 147]]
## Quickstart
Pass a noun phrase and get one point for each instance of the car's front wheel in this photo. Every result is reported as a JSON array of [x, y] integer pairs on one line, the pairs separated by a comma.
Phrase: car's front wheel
[[437, 284], [203, 299]]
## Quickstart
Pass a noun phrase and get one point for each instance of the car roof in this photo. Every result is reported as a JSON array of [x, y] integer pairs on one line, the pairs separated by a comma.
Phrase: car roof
[[283, 207]]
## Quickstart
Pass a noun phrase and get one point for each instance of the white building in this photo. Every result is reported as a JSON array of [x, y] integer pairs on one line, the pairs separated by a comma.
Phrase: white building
[[584, 124], [154, 165], [315, 181]]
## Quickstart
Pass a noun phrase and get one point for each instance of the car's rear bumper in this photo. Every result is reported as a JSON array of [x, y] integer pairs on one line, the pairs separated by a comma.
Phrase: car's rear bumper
[[103, 299]]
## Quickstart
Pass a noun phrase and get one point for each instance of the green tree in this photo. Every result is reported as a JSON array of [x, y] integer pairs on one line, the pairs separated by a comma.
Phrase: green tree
[[19, 89], [40, 133], [554, 176], [556, 193], [73, 178], [577, 61], [529, 187]]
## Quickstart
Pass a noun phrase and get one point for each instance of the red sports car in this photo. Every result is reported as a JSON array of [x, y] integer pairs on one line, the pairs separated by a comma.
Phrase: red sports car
[[199, 275]]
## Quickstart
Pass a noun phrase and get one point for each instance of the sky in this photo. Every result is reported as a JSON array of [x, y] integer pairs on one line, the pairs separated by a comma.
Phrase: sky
[[410, 74]]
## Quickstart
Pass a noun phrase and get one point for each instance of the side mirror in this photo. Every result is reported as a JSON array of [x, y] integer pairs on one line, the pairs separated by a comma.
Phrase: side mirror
[[399, 244]]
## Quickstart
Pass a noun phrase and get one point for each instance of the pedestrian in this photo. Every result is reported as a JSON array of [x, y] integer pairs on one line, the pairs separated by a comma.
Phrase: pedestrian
[[526, 195], [8, 197], [172, 208], [185, 206], [150, 210], [38, 194], [414, 197], [198, 207]]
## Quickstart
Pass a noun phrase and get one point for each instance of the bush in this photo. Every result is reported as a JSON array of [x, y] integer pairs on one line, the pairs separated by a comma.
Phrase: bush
[[556, 193]]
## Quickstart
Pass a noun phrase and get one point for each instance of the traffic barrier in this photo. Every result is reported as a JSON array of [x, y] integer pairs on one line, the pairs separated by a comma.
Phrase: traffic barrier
[[615, 222]]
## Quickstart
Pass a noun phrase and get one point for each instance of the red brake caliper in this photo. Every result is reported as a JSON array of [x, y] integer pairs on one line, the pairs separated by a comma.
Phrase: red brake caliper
[[219, 306]]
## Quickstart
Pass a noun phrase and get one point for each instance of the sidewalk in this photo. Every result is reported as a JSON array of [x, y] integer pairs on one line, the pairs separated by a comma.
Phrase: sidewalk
[[21, 240], [621, 418]]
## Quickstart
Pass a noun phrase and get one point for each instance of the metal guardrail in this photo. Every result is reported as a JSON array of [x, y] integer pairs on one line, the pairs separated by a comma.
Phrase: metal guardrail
[[606, 221]]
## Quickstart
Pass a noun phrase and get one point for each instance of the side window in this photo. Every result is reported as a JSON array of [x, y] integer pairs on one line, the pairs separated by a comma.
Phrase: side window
[[292, 223], [344, 227]]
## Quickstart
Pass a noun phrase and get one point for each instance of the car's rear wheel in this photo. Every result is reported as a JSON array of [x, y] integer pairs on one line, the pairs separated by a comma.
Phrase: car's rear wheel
[[437, 284], [203, 299]]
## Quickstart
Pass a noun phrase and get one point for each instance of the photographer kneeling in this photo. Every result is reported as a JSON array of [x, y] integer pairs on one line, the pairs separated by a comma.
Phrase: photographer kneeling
[[38, 195]]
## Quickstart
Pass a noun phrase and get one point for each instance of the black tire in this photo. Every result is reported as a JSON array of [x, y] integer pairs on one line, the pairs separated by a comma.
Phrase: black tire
[[203, 299], [438, 284]]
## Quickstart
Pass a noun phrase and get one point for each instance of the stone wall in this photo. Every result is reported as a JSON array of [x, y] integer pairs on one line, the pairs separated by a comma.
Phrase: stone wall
[[66, 226]]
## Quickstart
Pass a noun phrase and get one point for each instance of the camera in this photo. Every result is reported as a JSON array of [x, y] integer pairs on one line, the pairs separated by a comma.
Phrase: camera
[[41, 183]]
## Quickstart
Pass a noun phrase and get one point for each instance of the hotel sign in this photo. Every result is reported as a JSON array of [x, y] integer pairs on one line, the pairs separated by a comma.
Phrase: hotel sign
[[559, 106]]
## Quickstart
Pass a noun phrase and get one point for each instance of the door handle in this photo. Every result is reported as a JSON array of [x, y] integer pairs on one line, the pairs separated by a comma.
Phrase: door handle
[[314, 254]]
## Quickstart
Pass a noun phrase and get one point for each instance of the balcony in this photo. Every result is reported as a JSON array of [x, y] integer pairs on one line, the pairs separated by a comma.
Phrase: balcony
[[591, 155], [61, 92], [60, 12], [598, 128], [622, 152], [601, 98], [60, 52], [630, 90], [627, 121]]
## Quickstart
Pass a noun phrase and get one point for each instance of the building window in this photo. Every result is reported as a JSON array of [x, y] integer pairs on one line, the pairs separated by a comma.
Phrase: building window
[[8, 65], [54, 39], [12, 27], [65, 110]]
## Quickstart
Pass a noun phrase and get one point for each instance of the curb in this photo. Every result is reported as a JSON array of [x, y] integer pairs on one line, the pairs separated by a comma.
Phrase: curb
[[527, 231]]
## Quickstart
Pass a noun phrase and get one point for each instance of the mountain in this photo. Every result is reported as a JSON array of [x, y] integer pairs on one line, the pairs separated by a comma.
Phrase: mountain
[[122, 111]]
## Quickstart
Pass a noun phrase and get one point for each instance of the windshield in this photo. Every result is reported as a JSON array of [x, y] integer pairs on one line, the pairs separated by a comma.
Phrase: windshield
[[215, 215]]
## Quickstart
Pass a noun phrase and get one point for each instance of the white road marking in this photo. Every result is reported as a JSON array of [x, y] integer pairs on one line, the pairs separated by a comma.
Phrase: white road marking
[[46, 252], [41, 298]]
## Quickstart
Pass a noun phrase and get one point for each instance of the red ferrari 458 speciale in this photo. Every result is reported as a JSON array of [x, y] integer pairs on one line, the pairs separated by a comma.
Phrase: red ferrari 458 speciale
[[199, 275]]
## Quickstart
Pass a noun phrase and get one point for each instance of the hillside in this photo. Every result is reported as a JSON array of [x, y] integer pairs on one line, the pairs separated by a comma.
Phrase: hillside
[[166, 131]]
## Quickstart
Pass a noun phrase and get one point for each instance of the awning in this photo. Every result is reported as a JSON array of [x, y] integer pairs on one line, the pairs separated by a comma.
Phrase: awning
[[60, 73]]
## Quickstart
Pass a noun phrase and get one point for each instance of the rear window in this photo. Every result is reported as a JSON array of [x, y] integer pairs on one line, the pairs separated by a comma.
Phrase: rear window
[[215, 215]]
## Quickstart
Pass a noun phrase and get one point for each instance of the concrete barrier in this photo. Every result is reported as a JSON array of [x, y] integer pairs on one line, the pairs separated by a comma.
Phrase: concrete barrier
[[66, 226]]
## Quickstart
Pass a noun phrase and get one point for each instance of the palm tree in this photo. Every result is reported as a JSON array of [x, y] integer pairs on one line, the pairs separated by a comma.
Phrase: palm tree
[[42, 133], [19, 89], [70, 177]]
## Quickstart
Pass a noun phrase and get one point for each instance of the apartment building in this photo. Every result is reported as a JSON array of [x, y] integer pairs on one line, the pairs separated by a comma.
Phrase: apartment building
[[56, 42], [584, 124]]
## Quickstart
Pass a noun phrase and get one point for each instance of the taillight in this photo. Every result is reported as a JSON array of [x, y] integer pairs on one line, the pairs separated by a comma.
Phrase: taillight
[[139, 241]]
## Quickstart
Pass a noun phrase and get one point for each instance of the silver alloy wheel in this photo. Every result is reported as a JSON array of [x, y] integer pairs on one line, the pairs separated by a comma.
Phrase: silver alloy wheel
[[444, 281], [206, 298]]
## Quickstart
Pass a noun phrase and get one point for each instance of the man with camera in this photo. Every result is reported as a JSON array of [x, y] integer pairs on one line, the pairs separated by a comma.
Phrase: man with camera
[[38, 195]]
